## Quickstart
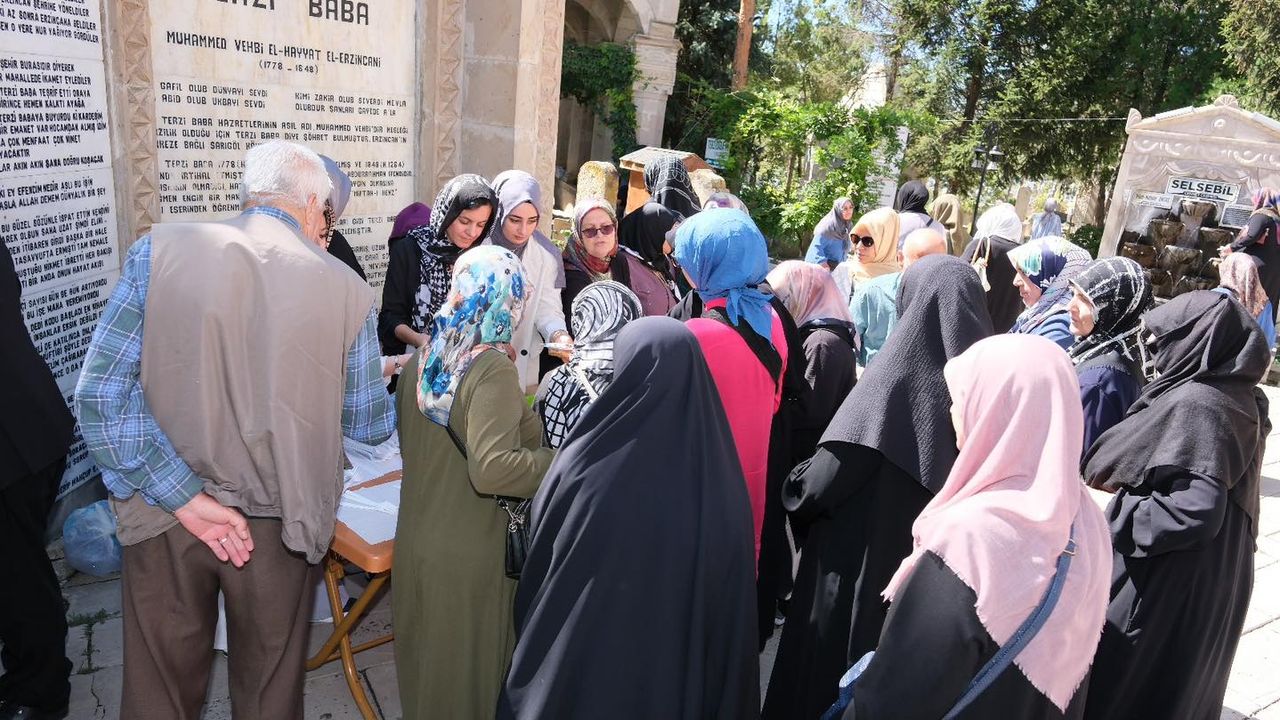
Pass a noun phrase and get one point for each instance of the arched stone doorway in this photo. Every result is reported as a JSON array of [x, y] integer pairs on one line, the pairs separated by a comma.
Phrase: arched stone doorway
[[649, 25]]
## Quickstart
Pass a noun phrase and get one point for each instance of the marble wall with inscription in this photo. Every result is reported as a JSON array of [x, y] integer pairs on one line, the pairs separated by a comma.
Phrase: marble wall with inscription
[[57, 194], [339, 77]]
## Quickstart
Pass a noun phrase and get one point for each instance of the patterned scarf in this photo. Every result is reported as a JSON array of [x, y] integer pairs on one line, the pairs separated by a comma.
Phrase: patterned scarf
[[576, 253], [479, 313], [668, 183], [1239, 274], [1051, 263], [599, 313], [438, 253], [1120, 293]]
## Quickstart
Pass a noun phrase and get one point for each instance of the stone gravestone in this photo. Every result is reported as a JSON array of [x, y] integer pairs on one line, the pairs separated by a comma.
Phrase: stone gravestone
[[342, 82], [706, 182], [598, 180], [57, 195]]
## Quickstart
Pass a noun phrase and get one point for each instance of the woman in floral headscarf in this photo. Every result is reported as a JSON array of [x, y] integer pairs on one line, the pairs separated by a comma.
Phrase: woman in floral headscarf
[[1043, 270], [466, 436], [1261, 239], [418, 271]]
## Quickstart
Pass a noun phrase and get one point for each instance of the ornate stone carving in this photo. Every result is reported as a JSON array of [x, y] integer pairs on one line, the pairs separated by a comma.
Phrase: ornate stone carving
[[1195, 149], [448, 81], [130, 56]]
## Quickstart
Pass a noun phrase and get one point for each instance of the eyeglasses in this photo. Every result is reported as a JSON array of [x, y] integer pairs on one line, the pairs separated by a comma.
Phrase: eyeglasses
[[591, 233], [865, 241]]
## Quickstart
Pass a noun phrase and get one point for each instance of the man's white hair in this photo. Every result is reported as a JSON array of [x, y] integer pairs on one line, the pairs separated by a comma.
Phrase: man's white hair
[[282, 171]]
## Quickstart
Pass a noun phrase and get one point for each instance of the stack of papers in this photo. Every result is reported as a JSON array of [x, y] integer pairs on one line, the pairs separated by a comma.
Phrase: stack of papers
[[369, 462], [371, 512]]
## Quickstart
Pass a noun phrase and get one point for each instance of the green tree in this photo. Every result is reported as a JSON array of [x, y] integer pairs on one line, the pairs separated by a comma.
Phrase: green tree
[[818, 51], [1250, 30]]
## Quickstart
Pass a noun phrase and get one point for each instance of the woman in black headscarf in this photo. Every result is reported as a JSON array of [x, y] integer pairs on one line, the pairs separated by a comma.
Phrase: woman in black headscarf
[[643, 234], [1185, 467], [636, 599], [668, 184], [910, 205], [887, 451], [418, 272]]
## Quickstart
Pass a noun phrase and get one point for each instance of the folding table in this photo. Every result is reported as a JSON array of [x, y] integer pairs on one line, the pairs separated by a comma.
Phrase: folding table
[[348, 547]]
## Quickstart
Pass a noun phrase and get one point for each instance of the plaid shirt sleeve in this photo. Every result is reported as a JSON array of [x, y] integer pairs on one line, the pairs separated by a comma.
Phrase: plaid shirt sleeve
[[368, 414], [122, 435]]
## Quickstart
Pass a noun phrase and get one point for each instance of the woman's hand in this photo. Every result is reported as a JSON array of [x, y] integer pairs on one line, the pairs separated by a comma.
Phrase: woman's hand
[[560, 337]]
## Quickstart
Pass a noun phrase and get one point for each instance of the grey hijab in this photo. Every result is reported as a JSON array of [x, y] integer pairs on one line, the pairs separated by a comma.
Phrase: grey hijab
[[341, 193], [513, 188], [832, 226]]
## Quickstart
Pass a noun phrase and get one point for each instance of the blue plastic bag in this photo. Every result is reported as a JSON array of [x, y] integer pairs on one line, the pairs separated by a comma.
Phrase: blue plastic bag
[[89, 537]]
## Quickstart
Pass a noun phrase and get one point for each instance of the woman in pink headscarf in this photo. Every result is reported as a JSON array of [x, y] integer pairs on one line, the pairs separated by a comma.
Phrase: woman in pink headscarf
[[987, 548], [822, 318]]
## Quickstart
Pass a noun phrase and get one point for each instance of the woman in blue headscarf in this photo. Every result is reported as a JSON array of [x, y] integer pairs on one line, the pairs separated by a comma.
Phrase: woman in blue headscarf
[[1044, 270], [725, 259]]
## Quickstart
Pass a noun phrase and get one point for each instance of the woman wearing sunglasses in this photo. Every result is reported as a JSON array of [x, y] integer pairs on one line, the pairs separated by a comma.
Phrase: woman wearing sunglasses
[[593, 254]]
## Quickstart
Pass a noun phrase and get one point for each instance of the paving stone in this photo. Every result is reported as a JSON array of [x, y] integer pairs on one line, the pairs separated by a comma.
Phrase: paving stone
[[77, 648], [100, 598], [327, 697], [1271, 712], [108, 643], [96, 696], [1264, 605], [1254, 683], [1229, 714], [385, 691]]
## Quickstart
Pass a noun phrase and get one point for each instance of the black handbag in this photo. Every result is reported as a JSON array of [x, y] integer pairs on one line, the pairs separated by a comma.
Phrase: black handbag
[[517, 510]]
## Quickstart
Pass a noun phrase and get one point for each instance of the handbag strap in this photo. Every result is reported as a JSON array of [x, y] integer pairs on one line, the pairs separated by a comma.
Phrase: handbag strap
[[515, 507], [1022, 636]]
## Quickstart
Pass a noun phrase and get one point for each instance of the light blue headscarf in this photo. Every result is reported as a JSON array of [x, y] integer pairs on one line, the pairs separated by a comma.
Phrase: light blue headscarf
[[726, 257]]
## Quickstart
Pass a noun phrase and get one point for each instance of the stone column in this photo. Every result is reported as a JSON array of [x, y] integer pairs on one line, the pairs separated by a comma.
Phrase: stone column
[[538, 96], [656, 53]]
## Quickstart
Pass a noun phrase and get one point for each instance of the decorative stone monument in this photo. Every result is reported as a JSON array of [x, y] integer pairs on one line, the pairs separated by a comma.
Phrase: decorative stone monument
[[1185, 186]]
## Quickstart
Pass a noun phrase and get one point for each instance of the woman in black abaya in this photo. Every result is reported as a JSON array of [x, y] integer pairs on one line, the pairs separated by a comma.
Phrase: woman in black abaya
[[887, 451], [637, 599], [1185, 466]]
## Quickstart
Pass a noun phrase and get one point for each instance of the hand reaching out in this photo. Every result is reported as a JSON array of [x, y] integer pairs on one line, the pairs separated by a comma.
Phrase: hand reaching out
[[223, 529]]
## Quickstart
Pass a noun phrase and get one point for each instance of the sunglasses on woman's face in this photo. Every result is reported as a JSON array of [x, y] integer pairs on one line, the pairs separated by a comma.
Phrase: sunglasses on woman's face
[[591, 233], [865, 241]]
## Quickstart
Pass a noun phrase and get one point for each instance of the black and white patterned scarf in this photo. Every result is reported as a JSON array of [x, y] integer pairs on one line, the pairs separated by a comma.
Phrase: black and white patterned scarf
[[438, 253], [667, 181], [599, 313], [1120, 293]]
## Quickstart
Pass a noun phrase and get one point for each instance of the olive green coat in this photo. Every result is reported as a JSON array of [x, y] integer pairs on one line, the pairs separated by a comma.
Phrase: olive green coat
[[451, 600]]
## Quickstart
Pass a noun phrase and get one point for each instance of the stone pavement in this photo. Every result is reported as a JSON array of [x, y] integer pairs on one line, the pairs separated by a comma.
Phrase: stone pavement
[[94, 643]]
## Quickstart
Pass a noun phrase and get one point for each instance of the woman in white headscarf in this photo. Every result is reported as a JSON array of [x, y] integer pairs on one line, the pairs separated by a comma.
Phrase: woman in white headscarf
[[516, 229], [998, 231]]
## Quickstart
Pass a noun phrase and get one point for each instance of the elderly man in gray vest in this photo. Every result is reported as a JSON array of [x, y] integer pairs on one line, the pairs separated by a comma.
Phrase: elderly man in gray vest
[[218, 427]]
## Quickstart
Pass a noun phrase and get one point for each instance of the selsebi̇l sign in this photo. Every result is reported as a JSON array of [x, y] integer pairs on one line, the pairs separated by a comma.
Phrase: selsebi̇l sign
[[1202, 188]]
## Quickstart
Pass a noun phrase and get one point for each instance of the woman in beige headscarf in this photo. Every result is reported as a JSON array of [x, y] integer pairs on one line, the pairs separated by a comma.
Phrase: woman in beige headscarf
[[947, 210], [875, 242]]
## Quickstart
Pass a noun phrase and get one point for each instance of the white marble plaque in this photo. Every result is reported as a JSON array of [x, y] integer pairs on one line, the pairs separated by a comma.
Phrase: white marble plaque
[[57, 195], [335, 75]]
